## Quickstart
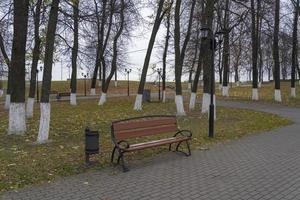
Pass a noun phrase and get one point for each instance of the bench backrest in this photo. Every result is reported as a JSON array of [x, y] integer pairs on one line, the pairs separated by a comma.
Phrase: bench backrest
[[143, 126]]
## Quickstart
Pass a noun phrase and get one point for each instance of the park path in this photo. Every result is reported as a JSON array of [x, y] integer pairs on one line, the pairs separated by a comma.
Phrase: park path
[[263, 166]]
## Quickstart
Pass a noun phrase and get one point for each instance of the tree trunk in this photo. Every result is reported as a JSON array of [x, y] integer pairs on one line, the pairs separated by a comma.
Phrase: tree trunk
[[276, 52], [17, 122], [116, 78], [294, 51], [46, 85], [238, 59], [260, 53], [7, 61], [165, 54], [159, 16], [254, 36], [226, 52], [95, 73], [192, 69], [100, 35], [74, 53], [35, 59], [196, 79], [207, 56]]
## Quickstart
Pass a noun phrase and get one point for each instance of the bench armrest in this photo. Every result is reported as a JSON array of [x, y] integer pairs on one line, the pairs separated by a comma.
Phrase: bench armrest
[[123, 144], [185, 133]]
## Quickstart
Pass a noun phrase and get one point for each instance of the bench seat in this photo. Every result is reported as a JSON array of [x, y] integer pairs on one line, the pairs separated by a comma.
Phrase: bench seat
[[150, 144]]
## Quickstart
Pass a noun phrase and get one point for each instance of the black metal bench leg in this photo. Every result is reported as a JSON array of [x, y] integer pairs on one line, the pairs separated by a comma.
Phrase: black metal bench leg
[[177, 147], [170, 147], [113, 155], [188, 147], [125, 169]]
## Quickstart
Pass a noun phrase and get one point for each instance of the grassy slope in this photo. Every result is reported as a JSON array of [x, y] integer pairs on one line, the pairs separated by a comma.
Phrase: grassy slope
[[23, 164], [266, 94]]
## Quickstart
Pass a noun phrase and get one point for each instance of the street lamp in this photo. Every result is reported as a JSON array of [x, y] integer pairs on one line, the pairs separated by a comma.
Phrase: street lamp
[[213, 43], [128, 71], [37, 83], [85, 76], [159, 70]]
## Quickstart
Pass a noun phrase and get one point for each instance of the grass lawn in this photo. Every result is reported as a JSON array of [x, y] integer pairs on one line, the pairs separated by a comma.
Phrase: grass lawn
[[266, 94], [243, 93], [24, 164], [64, 86]]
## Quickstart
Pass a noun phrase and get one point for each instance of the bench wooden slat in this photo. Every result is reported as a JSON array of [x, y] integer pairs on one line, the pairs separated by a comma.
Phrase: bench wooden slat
[[122, 135], [128, 125], [161, 142]]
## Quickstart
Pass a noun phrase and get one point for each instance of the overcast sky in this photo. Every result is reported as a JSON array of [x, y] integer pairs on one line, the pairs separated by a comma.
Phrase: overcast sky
[[136, 53]]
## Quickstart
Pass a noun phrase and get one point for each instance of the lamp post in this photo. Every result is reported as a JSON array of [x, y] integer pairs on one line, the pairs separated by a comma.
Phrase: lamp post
[[37, 84], [128, 71], [206, 31], [159, 70], [85, 76]]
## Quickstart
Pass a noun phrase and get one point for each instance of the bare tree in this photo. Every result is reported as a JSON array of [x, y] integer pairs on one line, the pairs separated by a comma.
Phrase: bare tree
[[115, 55], [180, 53], [158, 19]]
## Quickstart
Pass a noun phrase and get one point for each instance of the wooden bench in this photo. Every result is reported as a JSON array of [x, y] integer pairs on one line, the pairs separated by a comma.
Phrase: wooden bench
[[142, 127], [170, 87], [62, 94]]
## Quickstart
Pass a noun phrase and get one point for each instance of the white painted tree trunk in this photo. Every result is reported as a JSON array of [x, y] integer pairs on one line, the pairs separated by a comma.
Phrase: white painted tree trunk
[[1, 93], [7, 102], [293, 92], [102, 99], [44, 123], [205, 102], [17, 119], [116, 83], [259, 84], [238, 84], [179, 105], [138, 102], [277, 95], [220, 87], [255, 94], [93, 91], [225, 91], [73, 99], [189, 86], [29, 107], [192, 101], [164, 96]]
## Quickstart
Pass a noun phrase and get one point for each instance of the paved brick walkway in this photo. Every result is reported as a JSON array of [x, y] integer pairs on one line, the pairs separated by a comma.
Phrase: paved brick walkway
[[263, 166]]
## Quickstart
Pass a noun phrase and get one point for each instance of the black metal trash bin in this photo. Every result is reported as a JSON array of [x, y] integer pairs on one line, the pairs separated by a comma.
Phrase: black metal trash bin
[[91, 144], [147, 95]]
